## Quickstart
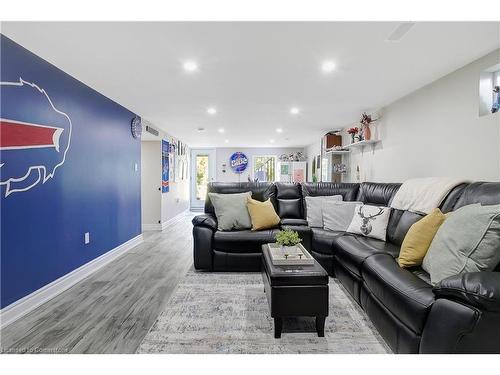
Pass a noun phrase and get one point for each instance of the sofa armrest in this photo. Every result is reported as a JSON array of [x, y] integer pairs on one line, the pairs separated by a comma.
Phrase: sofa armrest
[[479, 289], [206, 220]]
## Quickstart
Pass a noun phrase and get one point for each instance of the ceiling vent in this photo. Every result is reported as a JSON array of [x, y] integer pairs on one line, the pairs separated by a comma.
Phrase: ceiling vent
[[151, 130], [400, 31]]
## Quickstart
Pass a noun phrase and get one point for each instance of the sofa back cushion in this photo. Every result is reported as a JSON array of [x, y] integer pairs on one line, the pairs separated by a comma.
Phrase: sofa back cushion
[[261, 191], [349, 191], [452, 198], [485, 193], [377, 193], [289, 198], [401, 221]]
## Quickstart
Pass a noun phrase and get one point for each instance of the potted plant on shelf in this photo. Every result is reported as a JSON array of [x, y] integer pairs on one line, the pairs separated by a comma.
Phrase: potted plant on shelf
[[288, 240], [353, 131], [365, 121]]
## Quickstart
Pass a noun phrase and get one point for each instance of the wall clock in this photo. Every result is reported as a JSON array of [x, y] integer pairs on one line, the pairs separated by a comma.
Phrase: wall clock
[[136, 127]]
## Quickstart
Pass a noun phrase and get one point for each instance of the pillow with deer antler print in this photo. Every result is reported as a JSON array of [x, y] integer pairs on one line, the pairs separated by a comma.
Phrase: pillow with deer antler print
[[370, 221]]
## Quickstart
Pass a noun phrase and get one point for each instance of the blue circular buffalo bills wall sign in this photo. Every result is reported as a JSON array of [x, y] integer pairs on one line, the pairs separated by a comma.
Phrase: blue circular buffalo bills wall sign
[[238, 162]]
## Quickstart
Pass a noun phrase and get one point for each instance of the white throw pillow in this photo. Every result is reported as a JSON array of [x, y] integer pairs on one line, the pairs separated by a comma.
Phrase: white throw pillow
[[314, 209], [338, 215], [370, 221]]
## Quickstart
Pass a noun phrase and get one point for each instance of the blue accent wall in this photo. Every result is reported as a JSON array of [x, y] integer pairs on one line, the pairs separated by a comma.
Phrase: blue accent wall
[[95, 189]]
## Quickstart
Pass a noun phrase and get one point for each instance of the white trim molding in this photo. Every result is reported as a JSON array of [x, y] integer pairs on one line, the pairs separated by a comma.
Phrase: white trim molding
[[174, 220], [165, 224], [23, 306], [149, 227]]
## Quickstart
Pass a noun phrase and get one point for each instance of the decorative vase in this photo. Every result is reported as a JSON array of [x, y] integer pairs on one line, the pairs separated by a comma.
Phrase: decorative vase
[[367, 132], [353, 140]]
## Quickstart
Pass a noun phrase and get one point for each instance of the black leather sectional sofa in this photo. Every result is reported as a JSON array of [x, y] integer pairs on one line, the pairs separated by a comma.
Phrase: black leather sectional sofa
[[459, 315]]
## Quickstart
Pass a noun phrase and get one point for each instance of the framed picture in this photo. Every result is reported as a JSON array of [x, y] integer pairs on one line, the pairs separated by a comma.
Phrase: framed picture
[[165, 161]]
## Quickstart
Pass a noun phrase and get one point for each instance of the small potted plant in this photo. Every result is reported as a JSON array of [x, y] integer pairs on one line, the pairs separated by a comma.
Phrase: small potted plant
[[353, 131], [288, 239]]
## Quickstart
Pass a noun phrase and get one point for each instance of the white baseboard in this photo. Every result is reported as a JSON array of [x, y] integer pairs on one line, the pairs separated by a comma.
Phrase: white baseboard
[[23, 306], [174, 220], [148, 227], [165, 224]]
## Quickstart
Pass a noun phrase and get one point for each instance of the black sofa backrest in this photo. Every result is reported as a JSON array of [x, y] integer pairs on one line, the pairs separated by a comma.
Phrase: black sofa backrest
[[289, 198], [401, 221], [451, 199], [349, 191], [261, 191], [486, 193], [377, 193]]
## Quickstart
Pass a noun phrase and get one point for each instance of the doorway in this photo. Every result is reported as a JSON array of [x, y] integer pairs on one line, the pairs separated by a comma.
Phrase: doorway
[[203, 171]]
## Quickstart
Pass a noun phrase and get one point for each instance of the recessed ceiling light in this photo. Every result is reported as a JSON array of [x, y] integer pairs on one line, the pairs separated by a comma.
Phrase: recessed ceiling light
[[190, 66], [328, 66], [211, 111], [226, 141], [221, 130], [279, 130], [294, 111], [271, 140]]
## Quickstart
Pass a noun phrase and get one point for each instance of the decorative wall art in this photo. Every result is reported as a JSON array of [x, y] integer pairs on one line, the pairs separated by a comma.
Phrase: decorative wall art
[[238, 162], [165, 161], [54, 184]]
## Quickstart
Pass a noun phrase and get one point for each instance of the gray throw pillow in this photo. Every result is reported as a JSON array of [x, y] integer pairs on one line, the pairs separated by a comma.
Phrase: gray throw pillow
[[370, 221], [467, 241], [338, 215], [231, 210], [314, 209]]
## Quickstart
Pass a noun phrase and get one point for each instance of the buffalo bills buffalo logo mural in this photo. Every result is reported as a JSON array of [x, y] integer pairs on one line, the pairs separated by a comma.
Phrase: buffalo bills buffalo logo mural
[[34, 136]]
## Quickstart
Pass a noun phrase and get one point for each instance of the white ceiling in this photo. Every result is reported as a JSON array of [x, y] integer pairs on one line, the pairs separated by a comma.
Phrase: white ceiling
[[254, 72]]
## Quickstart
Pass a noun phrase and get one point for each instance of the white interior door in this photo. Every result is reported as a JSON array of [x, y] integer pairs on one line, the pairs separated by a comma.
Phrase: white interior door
[[202, 172]]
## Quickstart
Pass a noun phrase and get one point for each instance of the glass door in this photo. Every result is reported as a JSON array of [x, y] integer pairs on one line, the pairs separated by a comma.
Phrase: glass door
[[202, 172]]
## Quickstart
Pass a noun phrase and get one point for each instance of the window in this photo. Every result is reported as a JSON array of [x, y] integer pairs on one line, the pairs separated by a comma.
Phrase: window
[[201, 176], [264, 168]]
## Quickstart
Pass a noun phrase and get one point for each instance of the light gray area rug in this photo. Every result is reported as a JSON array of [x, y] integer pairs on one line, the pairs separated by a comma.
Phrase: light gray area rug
[[228, 313]]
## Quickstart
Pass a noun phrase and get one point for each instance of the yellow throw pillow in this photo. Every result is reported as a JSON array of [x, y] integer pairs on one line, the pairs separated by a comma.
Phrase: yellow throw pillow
[[419, 238], [262, 214]]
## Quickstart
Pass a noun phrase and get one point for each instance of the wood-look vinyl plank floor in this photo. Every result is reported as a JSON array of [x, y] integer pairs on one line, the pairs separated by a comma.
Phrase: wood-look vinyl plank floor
[[112, 310]]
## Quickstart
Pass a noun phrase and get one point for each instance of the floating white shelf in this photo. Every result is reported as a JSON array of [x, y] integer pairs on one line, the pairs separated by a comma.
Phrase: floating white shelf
[[337, 152], [362, 143]]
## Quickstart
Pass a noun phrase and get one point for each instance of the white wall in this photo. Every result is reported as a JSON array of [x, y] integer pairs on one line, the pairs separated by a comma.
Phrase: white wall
[[312, 151], [156, 205], [223, 154], [436, 131], [176, 200], [150, 182]]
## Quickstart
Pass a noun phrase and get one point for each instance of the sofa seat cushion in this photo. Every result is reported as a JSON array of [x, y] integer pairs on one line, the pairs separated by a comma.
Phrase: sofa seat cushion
[[404, 294], [243, 241], [289, 221], [352, 250], [322, 240]]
